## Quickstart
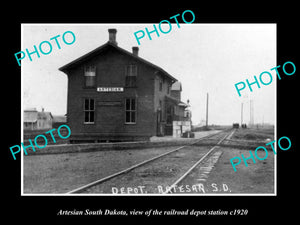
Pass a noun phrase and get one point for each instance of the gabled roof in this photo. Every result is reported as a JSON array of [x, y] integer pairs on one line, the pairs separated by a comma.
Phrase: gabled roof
[[176, 101], [107, 45], [30, 116], [44, 115], [183, 104], [176, 86]]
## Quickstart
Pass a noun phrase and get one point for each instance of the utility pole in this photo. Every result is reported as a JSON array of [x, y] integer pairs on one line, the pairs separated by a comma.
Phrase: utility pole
[[250, 121], [241, 114], [251, 113], [207, 110]]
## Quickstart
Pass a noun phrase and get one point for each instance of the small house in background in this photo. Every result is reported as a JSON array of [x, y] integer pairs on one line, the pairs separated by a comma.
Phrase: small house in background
[[34, 120], [183, 124], [30, 119], [176, 112], [179, 115], [176, 90], [58, 121]]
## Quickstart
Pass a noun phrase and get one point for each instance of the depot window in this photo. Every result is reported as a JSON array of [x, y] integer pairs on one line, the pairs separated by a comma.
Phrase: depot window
[[130, 75], [90, 76], [160, 84], [130, 110], [89, 111]]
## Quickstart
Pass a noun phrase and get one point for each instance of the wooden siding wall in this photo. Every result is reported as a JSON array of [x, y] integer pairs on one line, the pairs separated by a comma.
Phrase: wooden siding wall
[[110, 118]]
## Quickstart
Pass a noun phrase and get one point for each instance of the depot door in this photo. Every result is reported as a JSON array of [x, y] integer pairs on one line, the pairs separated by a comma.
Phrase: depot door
[[160, 124]]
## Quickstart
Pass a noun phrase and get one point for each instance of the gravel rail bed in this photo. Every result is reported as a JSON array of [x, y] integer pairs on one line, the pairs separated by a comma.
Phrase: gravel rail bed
[[154, 176]]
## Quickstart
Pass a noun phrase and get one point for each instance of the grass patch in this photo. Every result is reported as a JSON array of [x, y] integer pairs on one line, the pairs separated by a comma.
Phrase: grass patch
[[253, 134]]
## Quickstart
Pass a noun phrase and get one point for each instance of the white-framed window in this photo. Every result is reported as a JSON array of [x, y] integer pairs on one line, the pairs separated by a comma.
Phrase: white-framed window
[[130, 110]]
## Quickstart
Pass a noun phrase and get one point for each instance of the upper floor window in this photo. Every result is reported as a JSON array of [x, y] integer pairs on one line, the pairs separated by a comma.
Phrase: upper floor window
[[130, 76], [90, 76], [160, 84]]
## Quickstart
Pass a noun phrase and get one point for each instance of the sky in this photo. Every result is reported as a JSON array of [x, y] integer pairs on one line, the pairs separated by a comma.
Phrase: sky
[[205, 58]]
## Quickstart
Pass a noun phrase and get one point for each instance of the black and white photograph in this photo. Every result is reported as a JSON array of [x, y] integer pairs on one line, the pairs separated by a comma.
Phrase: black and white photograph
[[176, 113], [150, 115]]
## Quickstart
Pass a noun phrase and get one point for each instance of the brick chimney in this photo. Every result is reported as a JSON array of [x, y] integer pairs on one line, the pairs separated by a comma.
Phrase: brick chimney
[[112, 36], [135, 51]]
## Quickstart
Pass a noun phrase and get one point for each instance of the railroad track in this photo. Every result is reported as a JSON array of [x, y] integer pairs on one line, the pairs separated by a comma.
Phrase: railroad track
[[179, 180], [161, 170]]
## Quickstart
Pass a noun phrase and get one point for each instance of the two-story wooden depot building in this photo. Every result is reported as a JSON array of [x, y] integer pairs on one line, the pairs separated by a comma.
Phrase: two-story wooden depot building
[[115, 95]]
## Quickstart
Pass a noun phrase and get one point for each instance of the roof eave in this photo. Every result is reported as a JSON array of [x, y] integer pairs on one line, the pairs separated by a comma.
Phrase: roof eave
[[73, 63], [79, 60]]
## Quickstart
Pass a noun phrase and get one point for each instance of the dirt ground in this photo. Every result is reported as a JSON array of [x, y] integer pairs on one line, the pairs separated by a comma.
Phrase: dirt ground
[[60, 173], [256, 178], [254, 134], [154, 176]]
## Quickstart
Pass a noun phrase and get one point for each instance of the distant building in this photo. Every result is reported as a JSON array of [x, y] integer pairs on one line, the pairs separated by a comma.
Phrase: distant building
[[116, 95], [176, 90], [58, 121], [34, 120], [30, 119]]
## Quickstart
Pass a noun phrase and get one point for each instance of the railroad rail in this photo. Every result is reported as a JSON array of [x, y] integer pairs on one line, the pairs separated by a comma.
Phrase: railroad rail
[[198, 162], [228, 133]]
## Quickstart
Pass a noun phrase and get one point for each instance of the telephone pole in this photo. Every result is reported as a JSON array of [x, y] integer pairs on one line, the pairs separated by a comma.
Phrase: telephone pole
[[207, 110], [251, 113], [241, 114]]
